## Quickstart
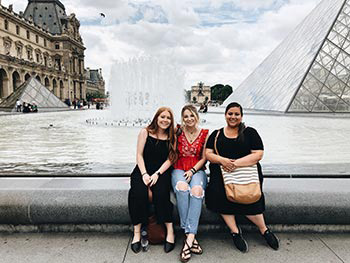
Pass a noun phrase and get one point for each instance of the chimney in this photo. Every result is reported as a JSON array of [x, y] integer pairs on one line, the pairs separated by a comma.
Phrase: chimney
[[11, 7]]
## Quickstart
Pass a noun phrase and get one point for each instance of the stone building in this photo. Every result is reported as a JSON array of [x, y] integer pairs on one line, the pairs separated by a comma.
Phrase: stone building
[[200, 93], [94, 81], [43, 42]]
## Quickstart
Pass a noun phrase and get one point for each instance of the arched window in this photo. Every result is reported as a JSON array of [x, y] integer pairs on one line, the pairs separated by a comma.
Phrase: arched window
[[61, 90], [47, 83], [26, 77], [54, 85], [16, 80], [4, 81]]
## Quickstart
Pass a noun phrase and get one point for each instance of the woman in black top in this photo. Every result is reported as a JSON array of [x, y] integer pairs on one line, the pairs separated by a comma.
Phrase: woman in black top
[[239, 146], [155, 153]]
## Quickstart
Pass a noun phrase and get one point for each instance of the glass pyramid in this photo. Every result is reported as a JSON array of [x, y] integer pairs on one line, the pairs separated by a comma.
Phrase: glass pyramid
[[309, 71], [32, 91]]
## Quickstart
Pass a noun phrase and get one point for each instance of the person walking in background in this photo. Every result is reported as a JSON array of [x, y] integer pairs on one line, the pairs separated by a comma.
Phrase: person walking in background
[[18, 105], [156, 151], [238, 146], [189, 179]]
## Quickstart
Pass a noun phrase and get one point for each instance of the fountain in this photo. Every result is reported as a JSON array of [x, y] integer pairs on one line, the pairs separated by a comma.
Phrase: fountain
[[94, 142], [141, 85]]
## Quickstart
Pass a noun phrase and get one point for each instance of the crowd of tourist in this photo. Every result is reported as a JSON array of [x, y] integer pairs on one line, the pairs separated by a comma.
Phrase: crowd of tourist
[[26, 107], [78, 104]]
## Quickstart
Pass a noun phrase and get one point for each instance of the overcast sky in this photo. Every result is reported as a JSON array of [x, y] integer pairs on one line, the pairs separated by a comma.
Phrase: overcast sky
[[216, 41]]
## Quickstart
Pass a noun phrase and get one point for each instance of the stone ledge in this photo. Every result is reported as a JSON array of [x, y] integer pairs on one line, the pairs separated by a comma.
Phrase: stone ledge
[[98, 201], [203, 228]]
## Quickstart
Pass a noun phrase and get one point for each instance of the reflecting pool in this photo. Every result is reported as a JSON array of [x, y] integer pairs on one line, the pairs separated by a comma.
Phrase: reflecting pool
[[65, 143]]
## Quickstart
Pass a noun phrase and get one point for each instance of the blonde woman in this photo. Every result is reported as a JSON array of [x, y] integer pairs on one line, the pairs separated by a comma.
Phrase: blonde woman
[[189, 179], [155, 154]]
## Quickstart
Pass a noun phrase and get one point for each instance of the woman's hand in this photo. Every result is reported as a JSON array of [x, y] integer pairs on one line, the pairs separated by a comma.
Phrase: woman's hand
[[188, 175], [153, 179], [228, 164], [146, 179]]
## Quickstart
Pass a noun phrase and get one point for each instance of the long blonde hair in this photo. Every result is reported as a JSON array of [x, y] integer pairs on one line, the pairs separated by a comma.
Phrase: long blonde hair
[[153, 128]]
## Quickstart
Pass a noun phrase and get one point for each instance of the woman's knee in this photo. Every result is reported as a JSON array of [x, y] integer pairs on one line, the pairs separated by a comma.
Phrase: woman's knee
[[181, 186], [197, 191]]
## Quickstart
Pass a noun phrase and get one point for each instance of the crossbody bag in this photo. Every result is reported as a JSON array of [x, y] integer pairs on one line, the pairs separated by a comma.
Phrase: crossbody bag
[[242, 185]]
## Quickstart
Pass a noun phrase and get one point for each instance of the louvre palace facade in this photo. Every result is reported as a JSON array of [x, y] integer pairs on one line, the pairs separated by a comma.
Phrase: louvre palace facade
[[45, 43]]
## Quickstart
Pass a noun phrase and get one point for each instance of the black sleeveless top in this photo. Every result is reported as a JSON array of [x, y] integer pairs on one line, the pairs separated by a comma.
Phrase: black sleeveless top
[[155, 153]]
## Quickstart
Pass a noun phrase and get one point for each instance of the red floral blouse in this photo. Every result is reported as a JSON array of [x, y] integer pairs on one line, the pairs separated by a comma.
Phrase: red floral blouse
[[190, 153]]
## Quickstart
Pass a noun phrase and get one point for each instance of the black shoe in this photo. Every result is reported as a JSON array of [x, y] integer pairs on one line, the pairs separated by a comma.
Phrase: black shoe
[[168, 246], [271, 239], [144, 239], [136, 247], [239, 242]]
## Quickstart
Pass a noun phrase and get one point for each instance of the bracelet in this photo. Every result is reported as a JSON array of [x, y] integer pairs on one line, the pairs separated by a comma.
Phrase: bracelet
[[144, 173], [193, 170]]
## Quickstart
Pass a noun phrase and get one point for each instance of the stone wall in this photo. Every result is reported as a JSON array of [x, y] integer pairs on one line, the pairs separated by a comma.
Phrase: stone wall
[[28, 50]]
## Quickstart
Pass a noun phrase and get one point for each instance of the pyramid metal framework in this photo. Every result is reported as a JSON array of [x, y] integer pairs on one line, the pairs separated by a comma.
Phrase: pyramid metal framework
[[309, 71], [32, 91]]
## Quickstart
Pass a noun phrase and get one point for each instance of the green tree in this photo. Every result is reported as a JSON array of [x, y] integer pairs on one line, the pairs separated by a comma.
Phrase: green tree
[[220, 92]]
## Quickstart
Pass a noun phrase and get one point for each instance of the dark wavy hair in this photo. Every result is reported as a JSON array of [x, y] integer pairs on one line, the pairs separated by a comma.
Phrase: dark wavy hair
[[153, 128], [241, 126]]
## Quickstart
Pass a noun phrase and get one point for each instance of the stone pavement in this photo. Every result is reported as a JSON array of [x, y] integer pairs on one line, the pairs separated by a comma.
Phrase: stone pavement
[[114, 247]]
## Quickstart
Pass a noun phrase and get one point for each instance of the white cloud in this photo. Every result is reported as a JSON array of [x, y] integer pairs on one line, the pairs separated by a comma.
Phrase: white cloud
[[257, 4], [179, 13], [219, 53]]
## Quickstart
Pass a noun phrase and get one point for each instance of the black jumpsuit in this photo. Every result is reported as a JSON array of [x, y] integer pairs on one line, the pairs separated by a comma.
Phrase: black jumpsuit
[[155, 153]]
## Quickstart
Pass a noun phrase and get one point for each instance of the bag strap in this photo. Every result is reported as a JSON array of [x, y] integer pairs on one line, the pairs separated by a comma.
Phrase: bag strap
[[215, 141]]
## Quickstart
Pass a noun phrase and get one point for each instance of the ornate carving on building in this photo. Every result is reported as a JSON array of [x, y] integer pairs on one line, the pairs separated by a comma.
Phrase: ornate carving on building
[[19, 49], [71, 28], [29, 52], [200, 93], [43, 42], [7, 44]]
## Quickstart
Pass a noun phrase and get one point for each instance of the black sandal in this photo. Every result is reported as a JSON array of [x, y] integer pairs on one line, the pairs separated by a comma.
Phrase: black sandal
[[196, 248], [185, 252]]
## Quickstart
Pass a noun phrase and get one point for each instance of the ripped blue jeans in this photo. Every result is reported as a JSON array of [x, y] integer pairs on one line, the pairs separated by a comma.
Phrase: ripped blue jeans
[[188, 204]]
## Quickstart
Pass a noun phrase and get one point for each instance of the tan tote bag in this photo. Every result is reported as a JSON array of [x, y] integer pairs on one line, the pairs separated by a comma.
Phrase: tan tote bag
[[242, 185]]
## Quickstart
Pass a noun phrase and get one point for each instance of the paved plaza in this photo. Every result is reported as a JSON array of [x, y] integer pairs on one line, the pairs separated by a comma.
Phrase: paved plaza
[[114, 247]]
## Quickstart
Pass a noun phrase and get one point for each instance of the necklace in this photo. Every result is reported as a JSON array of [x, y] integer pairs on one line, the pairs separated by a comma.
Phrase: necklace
[[192, 135]]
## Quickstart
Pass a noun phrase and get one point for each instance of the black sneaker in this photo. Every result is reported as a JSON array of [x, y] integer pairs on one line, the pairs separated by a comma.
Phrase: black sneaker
[[271, 239], [239, 242]]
